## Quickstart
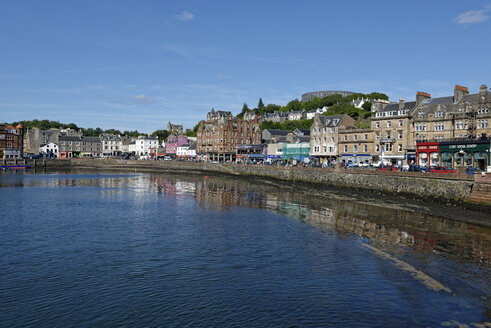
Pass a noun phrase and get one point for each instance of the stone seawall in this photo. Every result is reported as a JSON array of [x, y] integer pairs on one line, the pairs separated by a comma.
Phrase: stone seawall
[[442, 188]]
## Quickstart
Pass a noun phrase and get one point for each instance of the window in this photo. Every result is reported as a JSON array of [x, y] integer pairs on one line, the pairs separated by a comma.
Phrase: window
[[389, 123], [355, 148], [377, 148], [388, 147], [377, 124], [400, 122], [366, 137], [345, 149], [345, 138], [424, 126], [356, 137], [365, 148], [399, 135], [399, 147]]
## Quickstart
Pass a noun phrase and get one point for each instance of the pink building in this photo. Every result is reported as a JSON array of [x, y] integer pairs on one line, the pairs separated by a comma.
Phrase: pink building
[[173, 142]]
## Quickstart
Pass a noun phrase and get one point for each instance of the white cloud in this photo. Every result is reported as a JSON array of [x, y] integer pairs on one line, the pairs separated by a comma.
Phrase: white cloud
[[185, 16], [222, 76], [143, 99], [473, 16]]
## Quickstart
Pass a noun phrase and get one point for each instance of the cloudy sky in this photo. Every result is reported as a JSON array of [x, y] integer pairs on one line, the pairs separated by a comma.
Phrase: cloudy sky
[[139, 64]]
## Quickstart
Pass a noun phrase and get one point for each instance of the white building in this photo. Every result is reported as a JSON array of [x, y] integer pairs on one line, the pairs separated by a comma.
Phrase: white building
[[186, 151], [311, 114], [296, 115], [111, 145], [142, 145], [324, 136], [49, 150]]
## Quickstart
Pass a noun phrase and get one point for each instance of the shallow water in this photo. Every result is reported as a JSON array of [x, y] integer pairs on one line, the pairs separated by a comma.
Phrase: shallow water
[[91, 249]]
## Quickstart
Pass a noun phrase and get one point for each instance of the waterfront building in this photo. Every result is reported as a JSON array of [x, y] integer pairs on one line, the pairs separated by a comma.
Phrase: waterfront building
[[456, 153], [296, 152], [321, 94], [111, 144], [274, 150], [141, 146], [11, 141], [356, 146], [324, 136], [125, 144], [392, 127], [251, 153], [181, 151], [218, 139], [79, 146], [463, 115], [187, 151], [36, 137], [173, 142], [49, 150]]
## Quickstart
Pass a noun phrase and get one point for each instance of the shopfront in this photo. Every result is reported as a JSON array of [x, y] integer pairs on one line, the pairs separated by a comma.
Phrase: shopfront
[[428, 154], [471, 153]]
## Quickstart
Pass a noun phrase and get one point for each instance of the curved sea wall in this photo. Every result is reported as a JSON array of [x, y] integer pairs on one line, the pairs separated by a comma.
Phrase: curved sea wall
[[455, 188]]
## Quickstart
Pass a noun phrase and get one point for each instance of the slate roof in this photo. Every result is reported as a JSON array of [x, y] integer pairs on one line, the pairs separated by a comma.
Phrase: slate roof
[[278, 132], [394, 107], [330, 121]]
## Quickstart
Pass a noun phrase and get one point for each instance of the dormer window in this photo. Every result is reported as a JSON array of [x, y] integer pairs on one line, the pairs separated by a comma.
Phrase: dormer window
[[421, 114]]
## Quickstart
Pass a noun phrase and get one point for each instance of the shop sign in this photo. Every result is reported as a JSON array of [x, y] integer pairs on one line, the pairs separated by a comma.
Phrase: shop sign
[[469, 147]]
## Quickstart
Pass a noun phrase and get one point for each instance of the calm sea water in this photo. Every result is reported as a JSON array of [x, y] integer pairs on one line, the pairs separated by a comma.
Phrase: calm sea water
[[150, 250]]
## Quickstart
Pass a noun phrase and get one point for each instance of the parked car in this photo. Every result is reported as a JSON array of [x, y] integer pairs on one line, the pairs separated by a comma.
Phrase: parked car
[[33, 156], [472, 170], [388, 168], [441, 169], [416, 168]]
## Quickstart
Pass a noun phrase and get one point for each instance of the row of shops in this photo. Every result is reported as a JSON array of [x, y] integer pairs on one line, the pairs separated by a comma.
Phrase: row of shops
[[452, 154]]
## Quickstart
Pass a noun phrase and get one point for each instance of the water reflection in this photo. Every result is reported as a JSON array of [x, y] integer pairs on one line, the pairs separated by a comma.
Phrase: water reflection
[[456, 253], [380, 223]]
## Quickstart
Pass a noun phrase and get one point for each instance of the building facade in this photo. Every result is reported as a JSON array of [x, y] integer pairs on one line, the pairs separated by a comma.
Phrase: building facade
[[141, 146], [49, 150], [11, 141], [79, 146], [217, 115], [324, 136], [218, 140], [111, 145], [392, 128], [356, 146], [173, 142]]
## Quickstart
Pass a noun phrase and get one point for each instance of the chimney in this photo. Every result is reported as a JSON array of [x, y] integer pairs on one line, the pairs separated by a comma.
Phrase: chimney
[[459, 92], [401, 103], [255, 118], [420, 96]]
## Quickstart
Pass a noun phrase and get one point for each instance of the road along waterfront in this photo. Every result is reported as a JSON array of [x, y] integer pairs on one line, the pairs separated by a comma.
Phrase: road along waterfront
[[85, 248]]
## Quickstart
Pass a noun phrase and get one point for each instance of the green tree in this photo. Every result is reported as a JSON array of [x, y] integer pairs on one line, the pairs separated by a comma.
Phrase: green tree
[[245, 109], [161, 134], [367, 106], [113, 131]]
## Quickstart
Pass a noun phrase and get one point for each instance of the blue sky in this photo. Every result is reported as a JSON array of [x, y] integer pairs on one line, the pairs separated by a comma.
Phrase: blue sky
[[138, 64]]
